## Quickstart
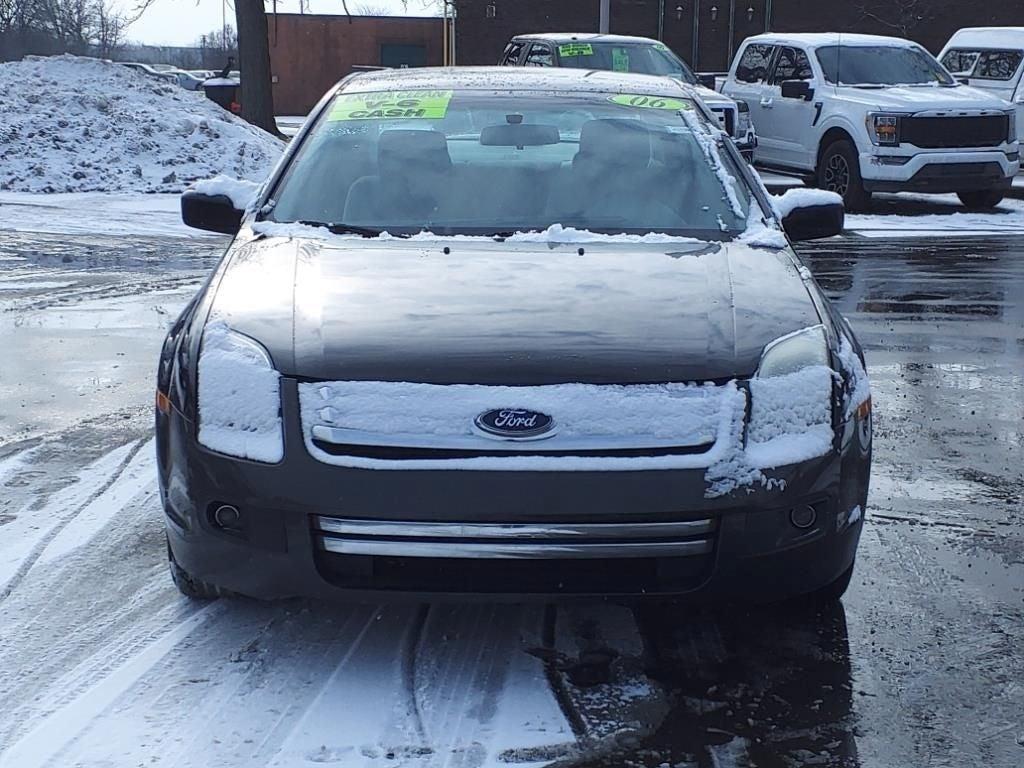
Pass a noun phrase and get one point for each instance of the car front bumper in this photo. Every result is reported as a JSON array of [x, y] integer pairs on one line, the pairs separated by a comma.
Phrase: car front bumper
[[311, 529], [938, 172]]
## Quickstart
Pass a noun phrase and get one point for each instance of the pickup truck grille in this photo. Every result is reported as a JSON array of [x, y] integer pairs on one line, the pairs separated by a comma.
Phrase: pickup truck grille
[[726, 117], [949, 132]]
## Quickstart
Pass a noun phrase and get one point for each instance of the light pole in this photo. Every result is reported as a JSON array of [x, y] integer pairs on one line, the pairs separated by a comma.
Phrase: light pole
[[605, 13]]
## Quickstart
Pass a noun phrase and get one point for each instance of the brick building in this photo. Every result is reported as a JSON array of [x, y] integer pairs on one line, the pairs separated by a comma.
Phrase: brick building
[[706, 32], [310, 53]]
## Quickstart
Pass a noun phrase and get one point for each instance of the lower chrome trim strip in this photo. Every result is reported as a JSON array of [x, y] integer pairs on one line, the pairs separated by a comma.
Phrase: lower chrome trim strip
[[517, 531], [510, 551]]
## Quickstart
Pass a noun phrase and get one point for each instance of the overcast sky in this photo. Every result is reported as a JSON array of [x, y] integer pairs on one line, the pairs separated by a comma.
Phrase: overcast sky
[[181, 22]]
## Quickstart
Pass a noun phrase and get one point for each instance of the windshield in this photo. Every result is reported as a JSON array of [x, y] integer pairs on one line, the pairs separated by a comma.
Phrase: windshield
[[639, 58], [983, 64], [880, 65], [475, 162]]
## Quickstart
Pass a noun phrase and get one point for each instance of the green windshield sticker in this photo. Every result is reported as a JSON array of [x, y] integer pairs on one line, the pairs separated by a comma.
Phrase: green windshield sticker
[[575, 49], [661, 47], [391, 105], [649, 102], [620, 60]]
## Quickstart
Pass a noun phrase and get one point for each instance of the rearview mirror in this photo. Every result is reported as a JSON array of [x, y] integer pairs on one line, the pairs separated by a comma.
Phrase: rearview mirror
[[707, 79], [519, 135], [811, 214], [214, 213], [797, 89]]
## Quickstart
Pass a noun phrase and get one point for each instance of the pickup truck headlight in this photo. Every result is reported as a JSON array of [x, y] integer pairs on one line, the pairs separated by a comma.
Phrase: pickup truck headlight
[[1011, 122], [884, 129], [239, 397], [742, 118]]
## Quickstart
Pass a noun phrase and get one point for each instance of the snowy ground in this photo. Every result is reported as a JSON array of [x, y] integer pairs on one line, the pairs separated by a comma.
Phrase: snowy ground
[[104, 665]]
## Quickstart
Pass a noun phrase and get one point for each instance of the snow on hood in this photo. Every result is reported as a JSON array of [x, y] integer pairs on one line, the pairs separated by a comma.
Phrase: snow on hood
[[76, 124]]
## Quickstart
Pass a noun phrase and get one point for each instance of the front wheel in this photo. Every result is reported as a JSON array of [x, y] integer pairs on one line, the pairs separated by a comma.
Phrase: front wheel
[[839, 172], [189, 585], [982, 199]]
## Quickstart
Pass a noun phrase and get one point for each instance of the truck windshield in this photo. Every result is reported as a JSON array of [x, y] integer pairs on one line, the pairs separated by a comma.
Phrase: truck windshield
[[483, 163], [639, 58], [880, 65], [983, 64]]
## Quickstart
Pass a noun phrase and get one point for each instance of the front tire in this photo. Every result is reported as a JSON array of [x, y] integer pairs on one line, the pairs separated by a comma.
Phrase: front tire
[[982, 199], [839, 172], [189, 585]]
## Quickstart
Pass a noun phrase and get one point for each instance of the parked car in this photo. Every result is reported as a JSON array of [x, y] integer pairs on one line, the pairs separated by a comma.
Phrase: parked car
[[858, 114], [641, 55], [147, 69], [186, 80], [989, 59], [507, 332]]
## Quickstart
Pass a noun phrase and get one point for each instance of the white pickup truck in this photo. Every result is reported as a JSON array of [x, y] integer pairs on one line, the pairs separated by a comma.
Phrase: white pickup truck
[[857, 114]]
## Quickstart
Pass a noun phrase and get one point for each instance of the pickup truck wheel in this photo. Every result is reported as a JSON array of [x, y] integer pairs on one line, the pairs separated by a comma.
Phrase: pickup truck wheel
[[839, 172], [982, 199]]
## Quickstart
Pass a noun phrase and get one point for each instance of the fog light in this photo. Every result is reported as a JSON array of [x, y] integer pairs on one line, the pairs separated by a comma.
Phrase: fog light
[[803, 516], [227, 517]]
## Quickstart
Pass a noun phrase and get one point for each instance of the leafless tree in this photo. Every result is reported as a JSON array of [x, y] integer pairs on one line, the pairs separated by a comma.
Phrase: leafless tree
[[900, 18], [369, 9]]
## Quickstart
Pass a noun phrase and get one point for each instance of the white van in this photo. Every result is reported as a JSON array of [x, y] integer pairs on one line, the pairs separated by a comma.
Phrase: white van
[[989, 58]]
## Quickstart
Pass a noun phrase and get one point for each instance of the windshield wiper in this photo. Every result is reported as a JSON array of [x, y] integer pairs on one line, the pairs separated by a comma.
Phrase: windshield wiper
[[342, 229]]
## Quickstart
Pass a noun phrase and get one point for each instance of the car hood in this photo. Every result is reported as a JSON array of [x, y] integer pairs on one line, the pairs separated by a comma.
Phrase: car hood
[[921, 98], [512, 313]]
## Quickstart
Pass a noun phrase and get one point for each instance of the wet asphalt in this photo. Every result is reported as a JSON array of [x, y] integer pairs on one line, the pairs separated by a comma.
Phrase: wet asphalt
[[921, 665]]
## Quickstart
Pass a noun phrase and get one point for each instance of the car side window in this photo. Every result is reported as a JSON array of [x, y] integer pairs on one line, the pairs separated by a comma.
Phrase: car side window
[[511, 56], [753, 65], [791, 64], [539, 56]]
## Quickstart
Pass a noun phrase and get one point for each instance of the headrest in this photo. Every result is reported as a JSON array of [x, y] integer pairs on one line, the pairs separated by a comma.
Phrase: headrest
[[423, 150], [617, 142]]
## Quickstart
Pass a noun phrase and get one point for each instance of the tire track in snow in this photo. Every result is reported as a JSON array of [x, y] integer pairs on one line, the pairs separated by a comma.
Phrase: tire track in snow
[[36, 552], [42, 743]]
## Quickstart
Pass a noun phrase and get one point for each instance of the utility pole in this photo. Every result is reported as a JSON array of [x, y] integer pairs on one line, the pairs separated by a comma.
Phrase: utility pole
[[605, 13]]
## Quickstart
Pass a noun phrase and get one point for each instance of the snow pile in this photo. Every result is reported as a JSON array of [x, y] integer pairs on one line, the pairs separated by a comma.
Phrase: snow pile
[[804, 197], [239, 191], [239, 397], [74, 124]]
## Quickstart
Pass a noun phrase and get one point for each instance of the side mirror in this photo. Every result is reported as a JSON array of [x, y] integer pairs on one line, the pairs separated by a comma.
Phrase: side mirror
[[707, 79], [810, 214], [797, 89], [214, 213]]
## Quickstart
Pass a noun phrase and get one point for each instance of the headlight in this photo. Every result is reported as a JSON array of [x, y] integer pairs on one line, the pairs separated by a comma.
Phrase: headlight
[[791, 401], [742, 118], [1011, 121], [790, 353], [884, 130], [239, 397]]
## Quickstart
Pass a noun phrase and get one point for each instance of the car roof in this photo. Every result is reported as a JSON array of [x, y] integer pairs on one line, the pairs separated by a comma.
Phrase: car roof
[[988, 37], [584, 37], [516, 78], [817, 39]]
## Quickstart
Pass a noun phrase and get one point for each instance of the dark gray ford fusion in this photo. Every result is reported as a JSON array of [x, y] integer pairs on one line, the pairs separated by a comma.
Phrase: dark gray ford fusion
[[512, 333]]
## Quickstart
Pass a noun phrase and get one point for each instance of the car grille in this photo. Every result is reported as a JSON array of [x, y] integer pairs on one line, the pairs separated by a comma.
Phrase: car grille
[[726, 117], [624, 557], [948, 132]]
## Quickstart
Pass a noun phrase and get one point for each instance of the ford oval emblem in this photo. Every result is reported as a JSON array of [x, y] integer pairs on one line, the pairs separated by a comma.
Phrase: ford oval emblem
[[515, 423]]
